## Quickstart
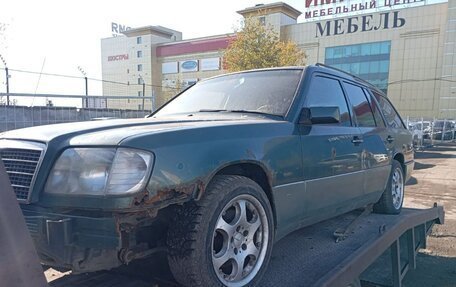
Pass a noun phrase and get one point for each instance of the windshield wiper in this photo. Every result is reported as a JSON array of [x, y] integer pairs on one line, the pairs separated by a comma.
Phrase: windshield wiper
[[238, 111], [254, 112], [212, 110]]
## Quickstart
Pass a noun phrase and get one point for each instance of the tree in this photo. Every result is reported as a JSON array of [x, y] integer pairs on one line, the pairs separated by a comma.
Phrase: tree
[[171, 89], [258, 46]]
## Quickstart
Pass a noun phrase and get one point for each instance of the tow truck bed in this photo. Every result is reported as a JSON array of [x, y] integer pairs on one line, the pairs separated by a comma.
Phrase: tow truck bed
[[380, 250]]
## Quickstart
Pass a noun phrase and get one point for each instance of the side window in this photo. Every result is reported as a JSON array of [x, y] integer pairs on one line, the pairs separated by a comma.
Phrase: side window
[[391, 116], [326, 92], [375, 109], [360, 105]]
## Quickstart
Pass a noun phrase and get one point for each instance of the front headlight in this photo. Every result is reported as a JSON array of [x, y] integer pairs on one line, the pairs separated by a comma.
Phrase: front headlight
[[100, 171]]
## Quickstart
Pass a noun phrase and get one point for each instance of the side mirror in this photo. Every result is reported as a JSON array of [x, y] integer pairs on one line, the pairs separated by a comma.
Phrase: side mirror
[[319, 115]]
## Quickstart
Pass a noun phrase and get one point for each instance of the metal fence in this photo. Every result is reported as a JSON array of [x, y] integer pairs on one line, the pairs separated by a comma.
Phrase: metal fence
[[27, 110], [428, 132]]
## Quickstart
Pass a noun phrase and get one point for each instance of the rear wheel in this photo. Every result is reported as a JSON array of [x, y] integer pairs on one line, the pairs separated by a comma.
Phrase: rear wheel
[[225, 239], [393, 196]]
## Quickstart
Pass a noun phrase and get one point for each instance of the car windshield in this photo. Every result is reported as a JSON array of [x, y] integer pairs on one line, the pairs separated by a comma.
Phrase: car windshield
[[266, 92]]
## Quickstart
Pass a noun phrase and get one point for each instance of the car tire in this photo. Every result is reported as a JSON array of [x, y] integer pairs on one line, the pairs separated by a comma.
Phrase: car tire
[[393, 196], [231, 226]]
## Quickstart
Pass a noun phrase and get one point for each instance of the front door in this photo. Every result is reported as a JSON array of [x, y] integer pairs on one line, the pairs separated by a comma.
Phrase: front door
[[332, 153]]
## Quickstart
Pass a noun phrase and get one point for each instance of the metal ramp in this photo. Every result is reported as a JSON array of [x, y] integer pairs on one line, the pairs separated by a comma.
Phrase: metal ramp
[[379, 250]]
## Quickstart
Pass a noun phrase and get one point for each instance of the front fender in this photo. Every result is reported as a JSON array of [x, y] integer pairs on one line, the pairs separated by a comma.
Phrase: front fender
[[186, 160]]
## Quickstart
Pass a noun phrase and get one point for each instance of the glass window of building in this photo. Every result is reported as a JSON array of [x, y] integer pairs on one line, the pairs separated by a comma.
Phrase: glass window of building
[[139, 54], [369, 61], [138, 40], [140, 94], [139, 67], [263, 20]]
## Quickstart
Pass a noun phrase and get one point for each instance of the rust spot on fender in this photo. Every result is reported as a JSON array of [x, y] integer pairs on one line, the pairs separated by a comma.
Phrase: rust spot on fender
[[176, 194]]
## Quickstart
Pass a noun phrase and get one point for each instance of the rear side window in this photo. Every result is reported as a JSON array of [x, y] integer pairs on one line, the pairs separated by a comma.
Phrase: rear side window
[[391, 116], [375, 110], [326, 92], [360, 105]]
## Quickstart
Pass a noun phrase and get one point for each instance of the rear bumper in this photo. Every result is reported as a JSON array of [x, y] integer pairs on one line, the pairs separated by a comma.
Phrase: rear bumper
[[409, 166], [78, 243]]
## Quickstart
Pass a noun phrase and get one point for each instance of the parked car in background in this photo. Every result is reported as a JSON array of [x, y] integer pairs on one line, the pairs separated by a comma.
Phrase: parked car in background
[[216, 176], [417, 133], [420, 130], [444, 130]]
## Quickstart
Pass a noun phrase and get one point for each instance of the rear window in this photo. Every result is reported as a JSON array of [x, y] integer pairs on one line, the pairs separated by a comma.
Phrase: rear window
[[391, 116], [375, 109], [360, 105]]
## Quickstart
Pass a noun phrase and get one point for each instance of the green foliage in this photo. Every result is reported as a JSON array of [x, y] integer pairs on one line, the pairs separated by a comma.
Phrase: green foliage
[[258, 46]]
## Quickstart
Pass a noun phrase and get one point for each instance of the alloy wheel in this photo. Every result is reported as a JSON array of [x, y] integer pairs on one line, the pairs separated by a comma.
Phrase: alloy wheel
[[240, 241], [397, 188]]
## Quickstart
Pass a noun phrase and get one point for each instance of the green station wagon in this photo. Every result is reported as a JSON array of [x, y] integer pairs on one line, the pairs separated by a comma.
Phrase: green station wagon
[[214, 177]]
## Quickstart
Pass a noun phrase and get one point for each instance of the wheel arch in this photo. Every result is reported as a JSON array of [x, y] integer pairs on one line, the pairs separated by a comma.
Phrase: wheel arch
[[253, 170], [401, 159]]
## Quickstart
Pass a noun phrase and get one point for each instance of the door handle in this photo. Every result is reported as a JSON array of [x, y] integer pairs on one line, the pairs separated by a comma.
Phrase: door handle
[[356, 140], [390, 139]]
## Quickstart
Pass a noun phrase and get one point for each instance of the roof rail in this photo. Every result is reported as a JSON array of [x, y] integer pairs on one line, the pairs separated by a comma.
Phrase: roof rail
[[345, 72]]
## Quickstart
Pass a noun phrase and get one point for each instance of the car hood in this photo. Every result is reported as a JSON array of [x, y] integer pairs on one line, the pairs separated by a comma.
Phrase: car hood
[[112, 132]]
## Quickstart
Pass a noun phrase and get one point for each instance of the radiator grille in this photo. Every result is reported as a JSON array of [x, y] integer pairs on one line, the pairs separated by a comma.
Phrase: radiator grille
[[20, 165]]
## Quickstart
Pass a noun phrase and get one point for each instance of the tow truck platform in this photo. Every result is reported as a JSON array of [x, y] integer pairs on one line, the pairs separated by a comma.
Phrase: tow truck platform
[[378, 251]]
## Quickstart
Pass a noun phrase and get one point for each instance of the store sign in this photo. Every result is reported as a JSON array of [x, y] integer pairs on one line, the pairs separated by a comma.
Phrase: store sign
[[122, 57], [210, 64], [189, 66], [325, 9], [364, 23], [117, 29], [169, 68]]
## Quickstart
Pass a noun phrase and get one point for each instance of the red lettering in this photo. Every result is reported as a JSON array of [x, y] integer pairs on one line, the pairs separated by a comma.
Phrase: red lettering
[[118, 57]]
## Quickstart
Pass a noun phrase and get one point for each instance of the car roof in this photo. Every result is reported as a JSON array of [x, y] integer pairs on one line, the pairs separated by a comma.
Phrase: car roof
[[343, 75], [314, 68]]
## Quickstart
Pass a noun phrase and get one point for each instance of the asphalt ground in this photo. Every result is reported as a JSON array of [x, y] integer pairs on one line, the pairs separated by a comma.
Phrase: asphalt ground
[[433, 181]]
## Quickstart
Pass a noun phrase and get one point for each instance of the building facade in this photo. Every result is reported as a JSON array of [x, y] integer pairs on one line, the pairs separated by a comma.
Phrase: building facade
[[406, 48]]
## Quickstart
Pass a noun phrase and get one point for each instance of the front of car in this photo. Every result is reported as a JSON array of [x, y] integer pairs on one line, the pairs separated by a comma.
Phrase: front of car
[[75, 183], [90, 192]]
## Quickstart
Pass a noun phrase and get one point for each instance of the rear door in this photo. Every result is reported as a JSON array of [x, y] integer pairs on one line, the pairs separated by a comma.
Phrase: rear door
[[331, 152], [375, 155], [397, 138]]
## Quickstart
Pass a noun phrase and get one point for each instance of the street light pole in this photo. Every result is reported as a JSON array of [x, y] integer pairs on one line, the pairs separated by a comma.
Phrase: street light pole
[[144, 94], [143, 91], [7, 80], [87, 92], [86, 87], [7, 86]]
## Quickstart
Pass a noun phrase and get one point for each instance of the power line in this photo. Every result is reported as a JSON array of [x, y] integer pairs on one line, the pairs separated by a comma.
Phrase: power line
[[421, 80], [92, 79]]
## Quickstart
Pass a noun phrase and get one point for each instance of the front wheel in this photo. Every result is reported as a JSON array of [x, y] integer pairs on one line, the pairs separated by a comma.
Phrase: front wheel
[[225, 239], [393, 196]]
